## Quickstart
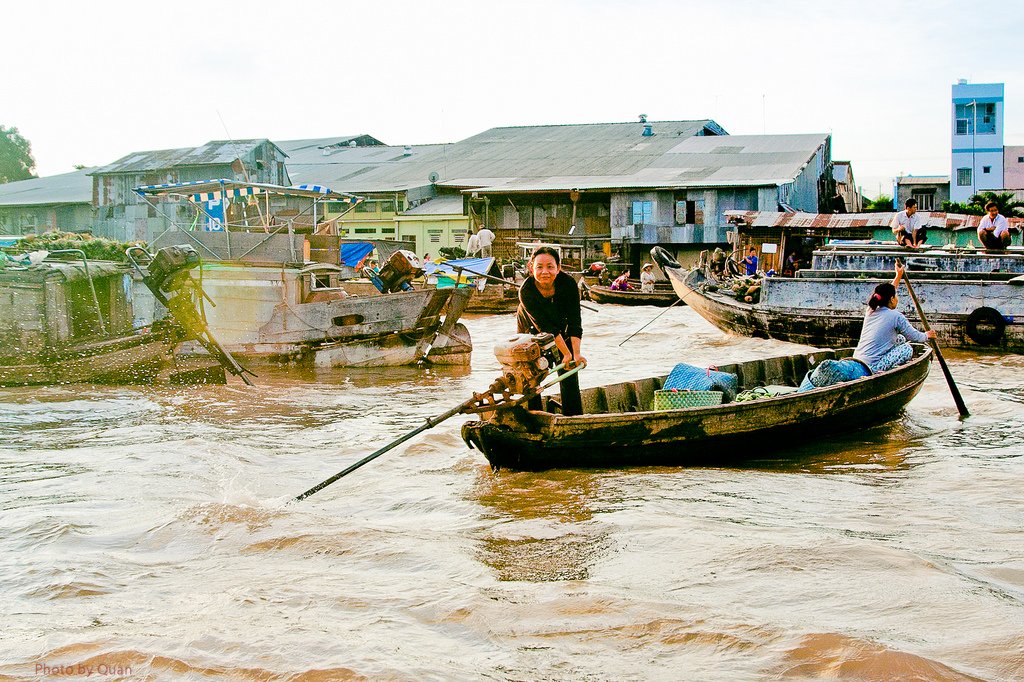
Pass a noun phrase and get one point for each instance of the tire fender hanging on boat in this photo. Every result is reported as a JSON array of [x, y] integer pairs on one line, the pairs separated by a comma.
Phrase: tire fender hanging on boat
[[985, 326], [664, 259]]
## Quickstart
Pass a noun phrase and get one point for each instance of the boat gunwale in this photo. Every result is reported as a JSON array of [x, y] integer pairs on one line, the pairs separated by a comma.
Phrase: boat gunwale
[[550, 421]]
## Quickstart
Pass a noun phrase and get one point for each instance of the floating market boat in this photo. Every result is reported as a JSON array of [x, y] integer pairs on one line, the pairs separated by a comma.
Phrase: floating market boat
[[619, 426], [71, 321], [292, 313], [271, 302], [973, 299], [662, 296]]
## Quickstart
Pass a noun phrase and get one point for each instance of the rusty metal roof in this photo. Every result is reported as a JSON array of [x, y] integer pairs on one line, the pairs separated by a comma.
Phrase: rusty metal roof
[[950, 221], [215, 153]]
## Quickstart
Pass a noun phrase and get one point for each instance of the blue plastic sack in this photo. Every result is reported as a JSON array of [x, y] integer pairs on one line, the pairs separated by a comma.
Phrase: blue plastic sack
[[688, 377], [831, 372]]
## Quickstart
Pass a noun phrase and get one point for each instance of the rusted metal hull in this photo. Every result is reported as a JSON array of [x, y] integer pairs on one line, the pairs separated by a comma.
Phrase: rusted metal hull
[[829, 312], [257, 318], [129, 358], [663, 297], [630, 434]]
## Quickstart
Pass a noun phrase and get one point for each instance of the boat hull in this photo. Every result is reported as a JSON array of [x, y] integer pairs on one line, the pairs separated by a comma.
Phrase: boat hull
[[258, 319], [829, 312], [128, 358], [662, 298], [532, 440]]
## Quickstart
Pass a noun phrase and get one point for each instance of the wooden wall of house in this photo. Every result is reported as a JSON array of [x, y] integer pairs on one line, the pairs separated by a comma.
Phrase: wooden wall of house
[[22, 317]]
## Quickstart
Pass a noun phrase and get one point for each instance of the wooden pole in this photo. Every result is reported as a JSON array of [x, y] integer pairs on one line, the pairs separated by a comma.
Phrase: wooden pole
[[957, 398]]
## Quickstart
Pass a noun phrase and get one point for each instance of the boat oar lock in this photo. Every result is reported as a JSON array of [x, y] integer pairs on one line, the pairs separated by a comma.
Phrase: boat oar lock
[[526, 361]]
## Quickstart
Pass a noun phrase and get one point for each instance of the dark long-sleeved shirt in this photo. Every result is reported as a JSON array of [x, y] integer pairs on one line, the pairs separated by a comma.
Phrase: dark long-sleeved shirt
[[559, 314]]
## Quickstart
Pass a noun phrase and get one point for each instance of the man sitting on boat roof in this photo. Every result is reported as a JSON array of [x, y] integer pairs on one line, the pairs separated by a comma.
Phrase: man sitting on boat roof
[[994, 229], [907, 226]]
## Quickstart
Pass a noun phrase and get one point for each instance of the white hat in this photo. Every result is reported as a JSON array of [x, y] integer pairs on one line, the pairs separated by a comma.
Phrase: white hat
[[647, 265]]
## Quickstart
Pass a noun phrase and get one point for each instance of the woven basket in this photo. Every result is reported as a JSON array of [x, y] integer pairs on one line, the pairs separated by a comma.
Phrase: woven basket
[[677, 400]]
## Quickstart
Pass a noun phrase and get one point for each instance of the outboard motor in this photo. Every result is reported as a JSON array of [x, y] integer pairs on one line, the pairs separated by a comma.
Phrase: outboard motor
[[397, 272], [168, 264], [525, 360]]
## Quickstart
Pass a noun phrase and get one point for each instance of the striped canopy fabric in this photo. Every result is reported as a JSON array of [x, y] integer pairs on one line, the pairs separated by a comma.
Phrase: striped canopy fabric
[[325, 191], [212, 190]]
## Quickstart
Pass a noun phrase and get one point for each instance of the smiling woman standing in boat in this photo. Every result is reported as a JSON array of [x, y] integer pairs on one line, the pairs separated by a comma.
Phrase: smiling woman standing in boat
[[549, 301]]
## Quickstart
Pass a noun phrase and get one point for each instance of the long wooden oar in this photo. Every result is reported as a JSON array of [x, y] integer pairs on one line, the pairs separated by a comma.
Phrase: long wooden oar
[[938, 353], [676, 302], [434, 421]]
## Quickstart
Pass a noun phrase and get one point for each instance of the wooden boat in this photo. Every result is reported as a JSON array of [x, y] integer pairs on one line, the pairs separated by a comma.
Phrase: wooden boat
[[64, 322], [663, 296], [273, 303], [619, 427], [969, 298], [285, 313]]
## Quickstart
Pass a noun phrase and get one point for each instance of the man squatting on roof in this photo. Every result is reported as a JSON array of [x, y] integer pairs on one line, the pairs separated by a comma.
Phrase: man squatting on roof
[[907, 228], [994, 229]]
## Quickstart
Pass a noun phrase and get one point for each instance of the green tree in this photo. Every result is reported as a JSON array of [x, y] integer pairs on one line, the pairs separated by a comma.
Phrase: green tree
[[962, 209], [976, 206], [882, 204], [16, 162]]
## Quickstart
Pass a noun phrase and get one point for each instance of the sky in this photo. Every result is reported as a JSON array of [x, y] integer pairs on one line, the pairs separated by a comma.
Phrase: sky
[[88, 83]]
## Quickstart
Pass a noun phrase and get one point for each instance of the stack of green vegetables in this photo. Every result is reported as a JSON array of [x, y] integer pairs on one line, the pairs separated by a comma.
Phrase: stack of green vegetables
[[95, 248], [747, 289]]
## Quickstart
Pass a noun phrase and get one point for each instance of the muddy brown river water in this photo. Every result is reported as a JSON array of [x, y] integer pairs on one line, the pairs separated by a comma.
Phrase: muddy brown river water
[[143, 535]]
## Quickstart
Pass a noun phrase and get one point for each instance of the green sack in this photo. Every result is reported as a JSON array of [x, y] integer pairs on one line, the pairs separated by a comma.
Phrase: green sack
[[670, 399]]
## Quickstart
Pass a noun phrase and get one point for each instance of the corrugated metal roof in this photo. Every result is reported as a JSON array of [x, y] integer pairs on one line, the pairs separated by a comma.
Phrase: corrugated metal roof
[[525, 153], [312, 150], [67, 188], [217, 152], [438, 206], [923, 180], [732, 161]]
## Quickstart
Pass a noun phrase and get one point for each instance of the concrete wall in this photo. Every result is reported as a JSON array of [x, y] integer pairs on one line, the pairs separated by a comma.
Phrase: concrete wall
[[1013, 167], [434, 232], [940, 193], [981, 181]]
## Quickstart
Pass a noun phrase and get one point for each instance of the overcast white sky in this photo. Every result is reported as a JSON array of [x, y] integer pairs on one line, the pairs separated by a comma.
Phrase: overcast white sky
[[88, 82]]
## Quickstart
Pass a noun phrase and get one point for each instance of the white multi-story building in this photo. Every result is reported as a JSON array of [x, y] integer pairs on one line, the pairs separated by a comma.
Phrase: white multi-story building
[[977, 140]]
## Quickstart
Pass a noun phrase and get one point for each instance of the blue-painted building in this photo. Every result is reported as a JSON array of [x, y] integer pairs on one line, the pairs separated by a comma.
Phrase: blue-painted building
[[977, 140]]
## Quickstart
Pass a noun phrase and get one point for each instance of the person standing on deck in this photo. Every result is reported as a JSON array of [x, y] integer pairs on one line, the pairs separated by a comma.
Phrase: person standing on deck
[[750, 262], [907, 228], [485, 238], [994, 229], [549, 301], [473, 245]]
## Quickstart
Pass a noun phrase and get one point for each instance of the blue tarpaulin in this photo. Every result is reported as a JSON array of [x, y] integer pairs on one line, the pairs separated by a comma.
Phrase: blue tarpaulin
[[447, 268], [351, 254]]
